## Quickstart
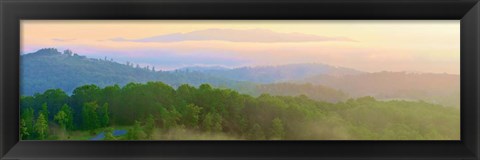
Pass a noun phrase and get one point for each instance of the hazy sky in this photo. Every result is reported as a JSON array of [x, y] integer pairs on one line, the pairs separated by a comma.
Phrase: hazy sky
[[420, 46]]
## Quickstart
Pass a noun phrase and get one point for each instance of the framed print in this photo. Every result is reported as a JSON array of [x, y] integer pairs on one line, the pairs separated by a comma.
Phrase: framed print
[[210, 80], [239, 79]]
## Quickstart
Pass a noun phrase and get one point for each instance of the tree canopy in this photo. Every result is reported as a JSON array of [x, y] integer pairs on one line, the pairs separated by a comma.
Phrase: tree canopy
[[155, 108]]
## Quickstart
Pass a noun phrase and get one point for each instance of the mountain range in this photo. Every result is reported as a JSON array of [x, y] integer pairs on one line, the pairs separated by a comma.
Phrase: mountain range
[[49, 68], [273, 74]]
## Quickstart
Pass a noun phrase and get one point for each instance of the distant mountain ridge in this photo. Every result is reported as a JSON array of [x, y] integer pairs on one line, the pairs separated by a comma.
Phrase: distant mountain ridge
[[202, 68], [315, 92], [50, 69], [274, 74], [433, 87]]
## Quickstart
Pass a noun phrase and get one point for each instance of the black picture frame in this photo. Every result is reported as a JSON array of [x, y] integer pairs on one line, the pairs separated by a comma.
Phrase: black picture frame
[[467, 11]]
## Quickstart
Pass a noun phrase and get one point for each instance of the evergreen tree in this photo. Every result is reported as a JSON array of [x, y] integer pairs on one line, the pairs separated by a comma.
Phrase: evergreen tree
[[237, 115], [135, 132], [27, 124], [104, 115], [44, 110], [67, 52], [90, 116], [191, 116], [170, 118], [24, 134], [149, 127], [41, 126], [277, 131], [68, 116], [212, 122], [256, 132], [62, 119]]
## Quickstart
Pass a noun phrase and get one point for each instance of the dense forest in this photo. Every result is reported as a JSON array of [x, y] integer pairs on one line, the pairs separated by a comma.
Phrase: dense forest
[[155, 110], [66, 96]]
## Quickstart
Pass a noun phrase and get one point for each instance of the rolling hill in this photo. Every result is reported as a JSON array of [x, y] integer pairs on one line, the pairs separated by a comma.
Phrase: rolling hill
[[315, 92], [49, 68], [273, 74]]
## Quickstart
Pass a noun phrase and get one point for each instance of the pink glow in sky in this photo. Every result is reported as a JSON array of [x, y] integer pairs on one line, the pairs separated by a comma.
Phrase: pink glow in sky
[[423, 46]]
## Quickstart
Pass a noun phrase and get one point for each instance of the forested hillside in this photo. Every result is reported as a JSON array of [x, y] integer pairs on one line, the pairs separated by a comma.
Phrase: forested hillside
[[49, 69], [157, 111], [273, 74], [315, 92]]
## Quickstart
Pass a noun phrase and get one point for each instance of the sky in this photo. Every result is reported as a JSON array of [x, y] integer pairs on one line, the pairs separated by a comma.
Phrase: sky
[[372, 46]]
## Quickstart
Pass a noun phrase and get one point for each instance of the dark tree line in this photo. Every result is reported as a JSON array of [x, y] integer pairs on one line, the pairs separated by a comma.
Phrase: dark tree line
[[155, 106]]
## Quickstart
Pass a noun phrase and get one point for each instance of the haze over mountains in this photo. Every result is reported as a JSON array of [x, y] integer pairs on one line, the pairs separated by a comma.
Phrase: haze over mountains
[[49, 68], [432, 87], [272, 74]]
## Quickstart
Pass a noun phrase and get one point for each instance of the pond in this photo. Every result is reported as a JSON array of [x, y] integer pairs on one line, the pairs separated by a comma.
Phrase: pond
[[117, 132]]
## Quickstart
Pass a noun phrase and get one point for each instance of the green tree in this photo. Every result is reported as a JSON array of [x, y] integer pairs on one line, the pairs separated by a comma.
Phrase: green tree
[[68, 52], [212, 122], [109, 134], [149, 127], [55, 98], [44, 110], [62, 119], [69, 116], [256, 132], [80, 96], [192, 115], [27, 121], [277, 131], [24, 134], [186, 93], [84, 94], [169, 118], [104, 115], [41, 126], [90, 116], [242, 116], [135, 132]]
